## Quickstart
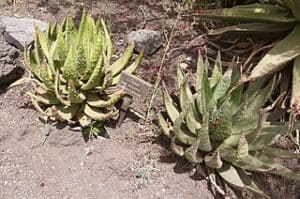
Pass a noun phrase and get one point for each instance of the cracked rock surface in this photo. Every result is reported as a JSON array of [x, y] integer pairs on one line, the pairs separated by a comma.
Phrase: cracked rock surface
[[10, 68]]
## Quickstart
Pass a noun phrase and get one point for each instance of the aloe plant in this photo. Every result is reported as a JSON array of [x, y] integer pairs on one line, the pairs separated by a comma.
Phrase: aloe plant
[[281, 17], [217, 3], [73, 75], [222, 124]]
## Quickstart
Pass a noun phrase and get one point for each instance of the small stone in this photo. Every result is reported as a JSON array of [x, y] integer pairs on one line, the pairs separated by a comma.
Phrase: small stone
[[9, 72], [13, 53], [143, 38], [184, 65], [20, 31], [189, 59]]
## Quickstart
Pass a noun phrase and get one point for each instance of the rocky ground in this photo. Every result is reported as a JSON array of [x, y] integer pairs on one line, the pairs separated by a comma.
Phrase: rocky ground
[[132, 161]]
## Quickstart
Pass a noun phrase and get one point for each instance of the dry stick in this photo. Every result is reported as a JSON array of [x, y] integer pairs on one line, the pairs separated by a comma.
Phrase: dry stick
[[158, 79], [254, 53]]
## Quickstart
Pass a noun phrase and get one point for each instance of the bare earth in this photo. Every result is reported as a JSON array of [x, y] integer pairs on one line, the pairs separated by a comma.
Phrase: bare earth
[[67, 167]]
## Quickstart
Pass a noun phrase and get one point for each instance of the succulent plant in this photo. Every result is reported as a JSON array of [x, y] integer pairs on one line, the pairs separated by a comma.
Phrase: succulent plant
[[222, 123], [72, 73], [283, 17], [217, 3]]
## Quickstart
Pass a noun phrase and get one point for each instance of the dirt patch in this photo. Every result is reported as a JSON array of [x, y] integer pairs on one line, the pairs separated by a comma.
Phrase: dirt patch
[[67, 167]]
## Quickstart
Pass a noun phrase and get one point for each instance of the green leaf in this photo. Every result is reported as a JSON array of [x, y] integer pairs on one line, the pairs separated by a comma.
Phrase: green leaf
[[164, 125], [47, 98], [238, 178], [178, 150], [69, 71], [285, 51], [213, 160], [204, 100], [97, 49], [95, 101], [253, 88], [275, 152], [82, 27], [180, 132], [200, 72], [294, 5], [45, 47], [98, 113], [230, 174], [62, 50], [107, 82], [251, 163], [203, 134], [75, 95], [242, 149], [267, 136], [96, 76], [235, 99], [39, 108], [62, 98], [170, 107], [217, 71], [191, 121], [279, 169], [31, 63], [131, 68], [220, 127], [191, 153], [248, 113], [295, 101], [222, 86], [252, 13], [66, 113], [46, 76], [186, 95], [121, 62], [107, 41], [253, 28]]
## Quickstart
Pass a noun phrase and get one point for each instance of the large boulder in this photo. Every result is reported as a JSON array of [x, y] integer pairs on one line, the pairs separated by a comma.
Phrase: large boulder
[[20, 32]]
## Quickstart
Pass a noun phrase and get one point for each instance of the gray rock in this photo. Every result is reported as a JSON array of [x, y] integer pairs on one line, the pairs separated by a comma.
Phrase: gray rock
[[20, 31], [149, 39], [10, 68]]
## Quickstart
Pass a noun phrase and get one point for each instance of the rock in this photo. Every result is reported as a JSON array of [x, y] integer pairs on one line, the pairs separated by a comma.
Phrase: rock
[[20, 32], [4, 3], [10, 68], [149, 39]]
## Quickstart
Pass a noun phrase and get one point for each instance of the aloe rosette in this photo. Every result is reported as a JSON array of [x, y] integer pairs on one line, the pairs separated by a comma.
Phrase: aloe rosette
[[72, 72], [223, 125], [282, 17]]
